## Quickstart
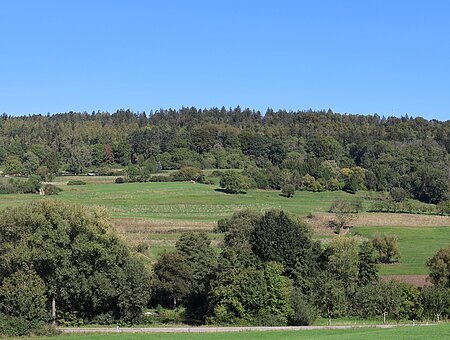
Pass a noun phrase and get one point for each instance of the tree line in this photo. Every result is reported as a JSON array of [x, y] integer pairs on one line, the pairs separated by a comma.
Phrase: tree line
[[63, 264], [308, 150]]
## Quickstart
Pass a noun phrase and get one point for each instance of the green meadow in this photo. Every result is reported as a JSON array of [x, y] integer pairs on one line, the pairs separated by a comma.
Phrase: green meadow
[[416, 245], [180, 200]]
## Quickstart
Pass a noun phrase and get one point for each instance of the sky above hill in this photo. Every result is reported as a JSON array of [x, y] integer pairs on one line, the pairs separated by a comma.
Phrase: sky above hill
[[385, 57]]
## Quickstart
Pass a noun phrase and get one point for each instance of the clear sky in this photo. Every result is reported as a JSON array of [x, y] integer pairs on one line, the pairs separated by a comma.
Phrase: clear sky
[[365, 56]]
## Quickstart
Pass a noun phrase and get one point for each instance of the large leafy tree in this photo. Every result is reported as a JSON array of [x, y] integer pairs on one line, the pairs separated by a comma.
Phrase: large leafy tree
[[392, 300], [186, 273], [173, 278], [343, 262], [388, 248], [278, 237], [329, 295], [436, 302], [198, 253], [367, 264], [203, 138], [249, 294], [83, 264], [439, 266], [239, 228], [13, 165], [430, 183]]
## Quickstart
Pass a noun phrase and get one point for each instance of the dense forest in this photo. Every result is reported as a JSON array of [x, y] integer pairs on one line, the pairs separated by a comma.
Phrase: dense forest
[[310, 150]]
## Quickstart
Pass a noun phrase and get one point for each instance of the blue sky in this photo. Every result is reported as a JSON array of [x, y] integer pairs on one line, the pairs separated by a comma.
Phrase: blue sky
[[385, 57]]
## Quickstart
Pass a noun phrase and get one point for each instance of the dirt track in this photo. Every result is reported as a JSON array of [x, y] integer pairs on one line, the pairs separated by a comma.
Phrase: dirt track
[[213, 329]]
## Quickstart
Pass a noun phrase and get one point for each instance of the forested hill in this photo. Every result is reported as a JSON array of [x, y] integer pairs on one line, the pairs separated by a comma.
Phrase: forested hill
[[380, 153]]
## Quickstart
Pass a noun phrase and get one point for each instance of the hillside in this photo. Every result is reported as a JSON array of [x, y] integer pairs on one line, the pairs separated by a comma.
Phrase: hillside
[[314, 151]]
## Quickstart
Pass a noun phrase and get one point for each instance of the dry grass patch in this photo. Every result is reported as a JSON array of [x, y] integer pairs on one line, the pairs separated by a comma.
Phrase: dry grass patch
[[415, 280], [320, 221], [401, 220], [143, 226]]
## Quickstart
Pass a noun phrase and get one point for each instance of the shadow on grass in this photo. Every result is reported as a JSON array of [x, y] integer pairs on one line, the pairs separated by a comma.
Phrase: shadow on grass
[[230, 192]]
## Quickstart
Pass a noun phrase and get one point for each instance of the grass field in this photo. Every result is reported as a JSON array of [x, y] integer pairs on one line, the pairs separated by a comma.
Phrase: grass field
[[181, 200], [418, 332]]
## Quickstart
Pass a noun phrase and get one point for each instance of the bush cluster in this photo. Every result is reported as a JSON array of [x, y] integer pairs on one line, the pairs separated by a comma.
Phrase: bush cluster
[[410, 207], [76, 182], [20, 186]]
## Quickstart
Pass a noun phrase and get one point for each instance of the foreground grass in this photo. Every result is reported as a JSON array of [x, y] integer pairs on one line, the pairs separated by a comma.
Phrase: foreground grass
[[416, 246], [418, 332]]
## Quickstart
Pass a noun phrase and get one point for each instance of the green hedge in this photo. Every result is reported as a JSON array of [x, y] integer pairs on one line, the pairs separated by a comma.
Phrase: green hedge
[[13, 326]]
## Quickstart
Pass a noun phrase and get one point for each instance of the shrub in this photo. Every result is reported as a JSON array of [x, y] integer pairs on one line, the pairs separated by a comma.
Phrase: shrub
[[222, 225], [161, 178], [68, 319], [398, 194], [310, 215], [393, 300], [50, 189], [443, 208], [340, 205], [407, 207], [141, 247], [103, 319], [14, 326], [288, 191], [436, 302], [189, 173], [76, 182], [216, 173], [304, 313], [149, 318], [266, 317], [119, 180], [233, 182], [31, 186], [106, 171], [344, 213], [14, 186], [8, 187]]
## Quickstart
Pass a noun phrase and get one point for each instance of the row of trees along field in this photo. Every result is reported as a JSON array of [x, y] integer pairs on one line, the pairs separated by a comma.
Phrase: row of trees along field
[[63, 263], [311, 150]]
